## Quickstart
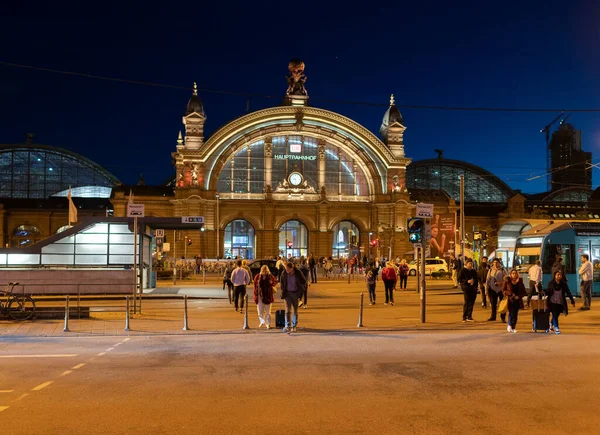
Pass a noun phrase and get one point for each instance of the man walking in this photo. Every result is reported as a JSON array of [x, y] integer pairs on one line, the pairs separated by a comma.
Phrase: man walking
[[468, 284], [494, 281], [240, 279], [587, 274], [312, 264], [535, 281], [456, 267], [482, 272], [389, 278], [292, 286]]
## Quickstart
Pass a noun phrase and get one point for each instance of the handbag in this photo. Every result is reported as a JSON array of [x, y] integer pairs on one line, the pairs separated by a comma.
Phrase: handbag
[[503, 307]]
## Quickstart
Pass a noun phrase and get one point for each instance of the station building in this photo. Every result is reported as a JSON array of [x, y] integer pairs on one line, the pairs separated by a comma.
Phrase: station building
[[287, 180]]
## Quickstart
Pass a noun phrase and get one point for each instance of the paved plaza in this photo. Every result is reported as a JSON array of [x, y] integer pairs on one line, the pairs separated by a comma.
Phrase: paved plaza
[[393, 376]]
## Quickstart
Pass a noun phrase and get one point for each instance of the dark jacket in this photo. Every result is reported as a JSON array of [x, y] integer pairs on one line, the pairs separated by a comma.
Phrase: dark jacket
[[300, 283], [562, 287], [482, 272], [512, 291], [556, 267], [465, 275]]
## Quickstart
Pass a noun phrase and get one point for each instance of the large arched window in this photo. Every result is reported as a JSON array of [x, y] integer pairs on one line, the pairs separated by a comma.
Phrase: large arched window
[[245, 171], [239, 240], [293, 239], [345, 240], [24, 235]]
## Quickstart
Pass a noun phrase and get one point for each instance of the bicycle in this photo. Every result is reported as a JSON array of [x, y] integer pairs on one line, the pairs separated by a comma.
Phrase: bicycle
[[16, 306]]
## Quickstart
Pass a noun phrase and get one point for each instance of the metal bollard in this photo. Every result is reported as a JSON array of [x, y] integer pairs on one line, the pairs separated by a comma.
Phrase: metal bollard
[[127, 313], [246, 314], [66, 328], [348, 276], [185, 316], [360, 313], [203, 276]]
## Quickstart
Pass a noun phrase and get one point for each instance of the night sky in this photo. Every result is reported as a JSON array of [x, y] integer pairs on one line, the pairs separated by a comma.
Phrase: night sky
[[527, 54]]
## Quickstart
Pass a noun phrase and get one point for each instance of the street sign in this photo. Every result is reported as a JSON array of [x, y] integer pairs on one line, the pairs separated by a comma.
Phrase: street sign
[[166, 247], [424, 210], [192, 219], [159, 233], [135, 210]]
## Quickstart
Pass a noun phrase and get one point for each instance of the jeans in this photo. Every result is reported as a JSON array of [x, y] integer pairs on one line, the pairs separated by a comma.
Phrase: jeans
[[455, 277], [469, 295], [313, 274], [371, 288], [230, 291], [403, 281], [555, 309], [513, 313], [239, 293], [389, 291], [483, 296], [494, 298], [586, 294], [291, 303]]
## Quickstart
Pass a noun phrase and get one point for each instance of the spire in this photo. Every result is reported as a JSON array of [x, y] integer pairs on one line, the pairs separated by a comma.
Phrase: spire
[[180, 139], [195, 89], [391, 116], [194, 104]]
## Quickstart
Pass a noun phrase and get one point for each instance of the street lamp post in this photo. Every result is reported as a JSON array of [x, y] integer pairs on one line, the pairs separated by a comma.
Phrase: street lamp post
[[217, 228]]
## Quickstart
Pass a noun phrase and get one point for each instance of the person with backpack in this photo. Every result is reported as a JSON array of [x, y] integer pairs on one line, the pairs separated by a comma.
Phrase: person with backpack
[[305, 271], [227, 280], [280, 266], [403, 272], [371, 284], [389, 278], [494, 281], [482, 272]]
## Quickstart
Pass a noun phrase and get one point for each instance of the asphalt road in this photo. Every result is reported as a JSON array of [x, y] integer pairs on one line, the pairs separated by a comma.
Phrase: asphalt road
[[476, 382]]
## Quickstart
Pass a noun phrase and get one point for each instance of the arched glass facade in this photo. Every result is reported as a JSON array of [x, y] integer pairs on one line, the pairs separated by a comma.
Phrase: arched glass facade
[[32, 171], [443, 174], [239, 240], [345, 240], [570, 194], [245, 172], [293, 239], [24, 235]]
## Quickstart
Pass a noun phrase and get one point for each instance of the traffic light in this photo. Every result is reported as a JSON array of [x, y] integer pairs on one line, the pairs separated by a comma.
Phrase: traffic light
[[290, 244], [189, 241], [415, 228], [374, 242]]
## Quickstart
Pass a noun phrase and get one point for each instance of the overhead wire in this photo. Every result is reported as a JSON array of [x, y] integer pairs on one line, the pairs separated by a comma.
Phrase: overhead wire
[[266, 96]]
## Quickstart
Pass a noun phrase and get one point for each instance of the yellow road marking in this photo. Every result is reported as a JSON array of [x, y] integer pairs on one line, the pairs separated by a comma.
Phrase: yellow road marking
[[66, 355], [110, 348], [44, 385], [6, 391], [22, 396], [102, 353], [127, 339], [65, 373], [2, 408], [78, 366]]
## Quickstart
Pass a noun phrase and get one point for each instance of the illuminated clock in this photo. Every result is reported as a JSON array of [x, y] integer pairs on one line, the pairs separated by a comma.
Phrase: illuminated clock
[[295, 179]]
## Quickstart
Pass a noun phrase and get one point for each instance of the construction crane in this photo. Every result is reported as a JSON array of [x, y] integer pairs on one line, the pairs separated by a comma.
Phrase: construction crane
[[546, 130]]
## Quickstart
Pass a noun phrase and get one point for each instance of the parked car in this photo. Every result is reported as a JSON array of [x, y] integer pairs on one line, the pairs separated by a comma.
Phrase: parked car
[[255, 266], [431, 265]]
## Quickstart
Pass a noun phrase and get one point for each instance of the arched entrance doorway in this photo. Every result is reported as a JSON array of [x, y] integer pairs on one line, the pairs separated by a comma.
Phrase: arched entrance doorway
[[345, 240], [239, 240], [293, 239]]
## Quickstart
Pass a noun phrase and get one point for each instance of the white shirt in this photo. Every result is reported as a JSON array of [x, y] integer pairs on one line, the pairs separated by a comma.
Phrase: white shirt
[[240, 276], [586, 272], [535, 273]]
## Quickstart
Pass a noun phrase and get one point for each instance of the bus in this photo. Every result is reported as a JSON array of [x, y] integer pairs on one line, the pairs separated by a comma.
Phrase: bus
[[568, 240]]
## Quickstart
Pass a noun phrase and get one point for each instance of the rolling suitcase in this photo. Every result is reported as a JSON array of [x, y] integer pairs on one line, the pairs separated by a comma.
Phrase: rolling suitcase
[[540, 314], [280, 318]]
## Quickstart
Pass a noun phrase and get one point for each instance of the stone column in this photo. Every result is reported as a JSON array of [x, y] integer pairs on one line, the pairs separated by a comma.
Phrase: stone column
[[268, 162], [321, 150]]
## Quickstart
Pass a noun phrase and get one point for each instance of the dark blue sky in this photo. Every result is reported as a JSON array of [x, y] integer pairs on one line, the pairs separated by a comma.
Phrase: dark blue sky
[[532, 54]]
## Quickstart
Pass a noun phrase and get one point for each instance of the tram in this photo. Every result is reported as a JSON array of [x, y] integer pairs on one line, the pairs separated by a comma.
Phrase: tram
[[568, 240]]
